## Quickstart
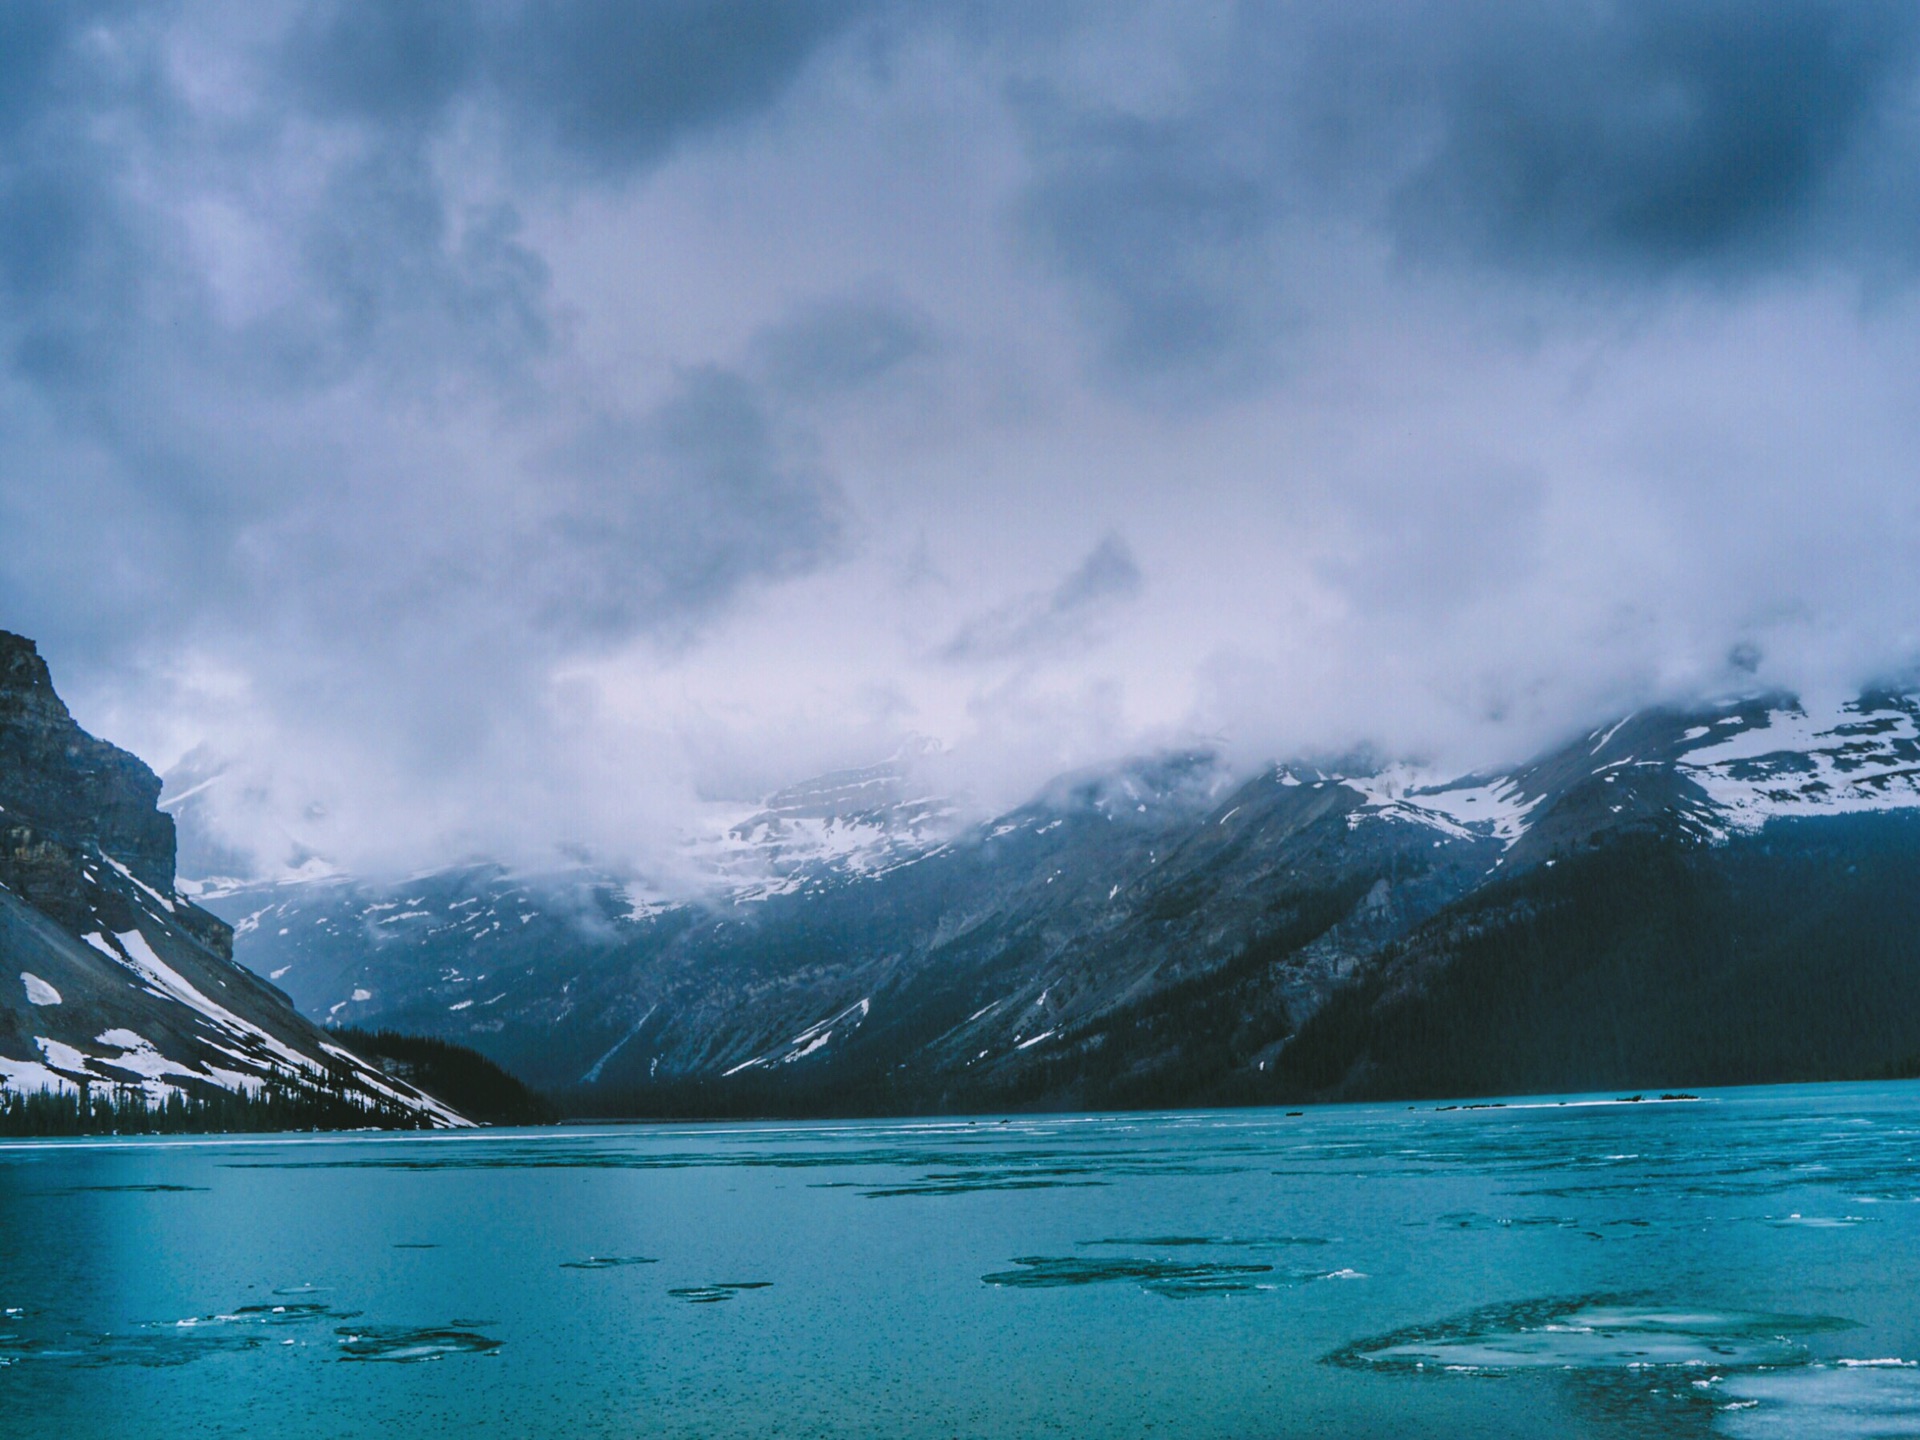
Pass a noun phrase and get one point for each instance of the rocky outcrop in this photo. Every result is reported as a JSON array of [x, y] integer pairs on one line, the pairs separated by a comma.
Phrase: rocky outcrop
[[65, 795]]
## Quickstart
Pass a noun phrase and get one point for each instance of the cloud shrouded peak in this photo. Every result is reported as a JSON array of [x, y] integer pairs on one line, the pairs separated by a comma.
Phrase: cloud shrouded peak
[[500, 429], [1054, 618]]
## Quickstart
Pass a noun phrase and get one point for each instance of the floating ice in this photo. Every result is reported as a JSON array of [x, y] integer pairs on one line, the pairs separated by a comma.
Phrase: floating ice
[[402, 1345], [1853, 1400], [286, 1312], [1474, 1220], [714, 1294], [1176, 1279], [1170, 1242], [1591, 1334], [161, 1343]]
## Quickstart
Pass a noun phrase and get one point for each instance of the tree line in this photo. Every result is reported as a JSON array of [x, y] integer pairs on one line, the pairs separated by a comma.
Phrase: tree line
[[282, 1102]]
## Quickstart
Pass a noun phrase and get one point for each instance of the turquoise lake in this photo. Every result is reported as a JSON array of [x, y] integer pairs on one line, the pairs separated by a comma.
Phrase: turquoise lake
[[1746, 1264]]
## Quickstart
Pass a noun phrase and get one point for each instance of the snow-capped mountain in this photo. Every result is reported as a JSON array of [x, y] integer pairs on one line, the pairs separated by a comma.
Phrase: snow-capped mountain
[[1724, 771], [109, 976], [843, 826], [1152, 932]]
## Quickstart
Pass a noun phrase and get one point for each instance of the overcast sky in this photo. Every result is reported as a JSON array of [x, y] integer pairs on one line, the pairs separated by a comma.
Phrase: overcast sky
[[495, 428]]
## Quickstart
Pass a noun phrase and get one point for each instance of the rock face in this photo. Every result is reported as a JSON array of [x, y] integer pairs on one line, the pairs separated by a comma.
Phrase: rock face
[[64, 793], [1680, 898], [110, 977]]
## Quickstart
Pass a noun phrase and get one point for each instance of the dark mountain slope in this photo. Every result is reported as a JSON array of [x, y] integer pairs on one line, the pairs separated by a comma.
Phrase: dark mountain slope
[[1653, 962], [463, 1078]]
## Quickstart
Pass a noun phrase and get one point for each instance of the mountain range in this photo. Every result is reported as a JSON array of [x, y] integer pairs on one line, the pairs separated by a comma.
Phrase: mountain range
[[1683, 896]]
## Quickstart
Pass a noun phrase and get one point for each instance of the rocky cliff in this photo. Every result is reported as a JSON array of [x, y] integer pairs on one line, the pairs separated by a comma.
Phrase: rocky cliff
[[69, 801]]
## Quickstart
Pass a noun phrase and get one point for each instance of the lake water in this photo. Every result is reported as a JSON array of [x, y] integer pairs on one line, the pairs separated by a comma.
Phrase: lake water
[[1747, 1265]]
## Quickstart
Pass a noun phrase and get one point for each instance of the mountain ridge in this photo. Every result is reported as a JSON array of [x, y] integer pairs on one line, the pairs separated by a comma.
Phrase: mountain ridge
[[1083, 949]]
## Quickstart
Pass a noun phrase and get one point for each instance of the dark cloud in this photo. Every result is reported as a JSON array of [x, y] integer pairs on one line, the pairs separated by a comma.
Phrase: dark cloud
[[381, 256], [1655, 136], [668, 516], [603, 87], [41, 64], [1159, 233], [74, 260], [617, 84], [402, 62], [1059, 619], [572, 91], [403, 281], [183, 277], [833, 346], [1577, 144]]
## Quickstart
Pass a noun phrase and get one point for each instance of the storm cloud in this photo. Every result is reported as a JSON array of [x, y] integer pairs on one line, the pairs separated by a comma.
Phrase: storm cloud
[[507, 429]]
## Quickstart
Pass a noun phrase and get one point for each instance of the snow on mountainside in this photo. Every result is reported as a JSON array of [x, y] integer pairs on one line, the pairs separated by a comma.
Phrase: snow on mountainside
[[1846, 759], [1494, 809], [109, 975], [851, 824], [853, 927], [1752, 761]]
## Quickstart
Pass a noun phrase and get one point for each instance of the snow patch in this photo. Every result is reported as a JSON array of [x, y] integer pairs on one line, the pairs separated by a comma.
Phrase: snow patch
[[62, 1056], [812, 1045], [163, 980], [165, 901], [139, 1056], [28, 1077], [1611, 731], [808, 1040], [1837, 760], [1495, 809], [593, 1073]]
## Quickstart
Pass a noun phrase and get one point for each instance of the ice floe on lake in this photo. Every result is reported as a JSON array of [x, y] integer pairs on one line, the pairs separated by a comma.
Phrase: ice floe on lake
[[1592, 1334]]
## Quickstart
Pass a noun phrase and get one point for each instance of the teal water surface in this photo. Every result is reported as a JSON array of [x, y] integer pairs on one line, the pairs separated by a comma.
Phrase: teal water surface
[[1743, 1265]]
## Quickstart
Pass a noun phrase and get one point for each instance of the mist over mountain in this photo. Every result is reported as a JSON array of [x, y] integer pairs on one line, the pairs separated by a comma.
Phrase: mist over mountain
[[1680, 897]]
